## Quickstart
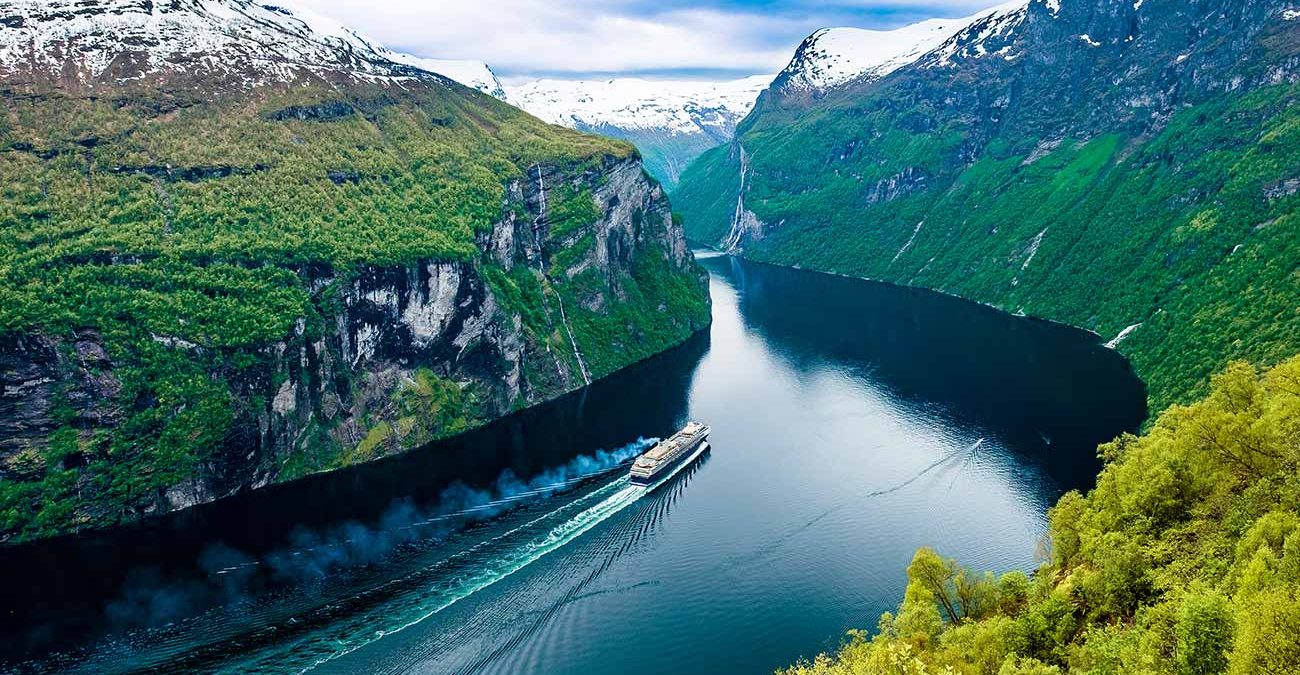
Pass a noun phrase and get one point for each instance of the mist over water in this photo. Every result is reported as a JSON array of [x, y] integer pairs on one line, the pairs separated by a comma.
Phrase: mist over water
[[853, 422]]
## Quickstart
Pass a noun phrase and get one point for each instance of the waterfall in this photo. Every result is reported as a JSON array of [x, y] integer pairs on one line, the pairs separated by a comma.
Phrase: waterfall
[[541, 264], [737, 231], [907, 245]]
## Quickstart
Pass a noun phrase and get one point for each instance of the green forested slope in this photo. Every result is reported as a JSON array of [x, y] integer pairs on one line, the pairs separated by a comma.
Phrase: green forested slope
[[1054, 184], [1130, 168], [186, 213], [1185, 559], [163, 248]]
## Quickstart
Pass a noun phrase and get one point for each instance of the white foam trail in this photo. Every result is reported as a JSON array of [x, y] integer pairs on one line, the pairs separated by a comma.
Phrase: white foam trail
[[617, 496]]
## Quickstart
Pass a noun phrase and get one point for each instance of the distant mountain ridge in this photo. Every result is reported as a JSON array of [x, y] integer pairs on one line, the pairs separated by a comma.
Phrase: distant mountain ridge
[[671, 121], [473, 74]]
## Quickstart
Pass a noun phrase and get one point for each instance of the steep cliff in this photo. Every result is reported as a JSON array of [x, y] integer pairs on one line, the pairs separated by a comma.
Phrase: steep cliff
[[239, 244], [1126, 167]]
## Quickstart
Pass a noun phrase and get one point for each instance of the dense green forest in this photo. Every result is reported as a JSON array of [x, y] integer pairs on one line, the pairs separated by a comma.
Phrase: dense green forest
[[196, 210], [167, 242], [1184, 560]]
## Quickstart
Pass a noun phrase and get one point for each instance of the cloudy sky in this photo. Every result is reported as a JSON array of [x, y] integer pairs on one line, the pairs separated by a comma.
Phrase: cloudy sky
[[522, 39]]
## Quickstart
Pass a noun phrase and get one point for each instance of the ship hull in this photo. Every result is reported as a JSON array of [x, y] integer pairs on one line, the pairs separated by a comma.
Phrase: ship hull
[[672, 468]]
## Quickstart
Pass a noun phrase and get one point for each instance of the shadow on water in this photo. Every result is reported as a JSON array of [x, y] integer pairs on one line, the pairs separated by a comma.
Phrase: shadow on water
[[988, 367], [75, 587], [895, 384]]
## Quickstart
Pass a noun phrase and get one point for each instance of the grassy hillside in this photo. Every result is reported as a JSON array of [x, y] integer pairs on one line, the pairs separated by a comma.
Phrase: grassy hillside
[[1193, 233], [101, 197], [1185, 559]]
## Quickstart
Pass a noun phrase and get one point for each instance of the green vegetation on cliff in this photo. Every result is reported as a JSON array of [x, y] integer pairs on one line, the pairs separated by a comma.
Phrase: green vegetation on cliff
[[1129, 168], [628, 328], [1143, 182], [191, 219], [1184, 560], [170, 249], [1191, 233]]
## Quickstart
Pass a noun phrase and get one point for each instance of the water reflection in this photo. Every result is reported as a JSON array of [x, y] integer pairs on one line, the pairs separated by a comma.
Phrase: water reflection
[[853, 422], [1035, 382], [163, 570]]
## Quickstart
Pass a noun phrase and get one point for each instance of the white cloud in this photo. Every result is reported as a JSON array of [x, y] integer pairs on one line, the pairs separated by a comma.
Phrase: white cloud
[[579, 36]]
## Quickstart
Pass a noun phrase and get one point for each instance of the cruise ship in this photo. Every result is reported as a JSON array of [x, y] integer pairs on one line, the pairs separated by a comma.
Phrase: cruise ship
[[667, 457]]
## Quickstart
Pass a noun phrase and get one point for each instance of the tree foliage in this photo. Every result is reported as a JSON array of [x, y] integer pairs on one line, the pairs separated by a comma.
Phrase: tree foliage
[[1184, 560]]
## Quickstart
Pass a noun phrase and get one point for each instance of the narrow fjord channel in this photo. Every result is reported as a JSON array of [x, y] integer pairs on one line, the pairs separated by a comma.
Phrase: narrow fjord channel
[[853, 422]]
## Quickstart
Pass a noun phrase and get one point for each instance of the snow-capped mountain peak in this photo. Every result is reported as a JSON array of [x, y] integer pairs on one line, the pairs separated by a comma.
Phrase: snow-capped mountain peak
[[992, 33], [675, 106], [241, 41], [834, 56], [671, 121]]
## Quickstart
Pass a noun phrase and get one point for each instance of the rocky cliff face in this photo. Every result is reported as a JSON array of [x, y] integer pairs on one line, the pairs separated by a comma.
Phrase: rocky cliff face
[[239, 244], [403, 354]]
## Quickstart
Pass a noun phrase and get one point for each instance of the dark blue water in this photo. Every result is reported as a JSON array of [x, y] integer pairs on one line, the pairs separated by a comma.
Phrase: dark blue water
[[852, 423]]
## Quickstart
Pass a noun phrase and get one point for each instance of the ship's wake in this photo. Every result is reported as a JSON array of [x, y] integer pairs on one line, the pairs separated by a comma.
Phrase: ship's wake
[[780, 541], [439, 586], [462, 575], [494, 534]]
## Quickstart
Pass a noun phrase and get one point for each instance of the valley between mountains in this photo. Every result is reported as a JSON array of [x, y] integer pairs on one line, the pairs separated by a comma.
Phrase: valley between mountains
[[250, 256]]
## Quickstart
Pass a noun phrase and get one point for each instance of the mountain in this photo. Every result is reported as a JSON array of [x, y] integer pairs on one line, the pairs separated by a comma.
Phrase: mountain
[[832, 57], [88, 41], [240, 243], [671, 122], [1132, 168]]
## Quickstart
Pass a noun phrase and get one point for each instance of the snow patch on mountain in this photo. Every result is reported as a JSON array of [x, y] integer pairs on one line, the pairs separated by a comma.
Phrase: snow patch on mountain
[[992, 32], [473, 74], [834, 56], [685, 107], [251, 43]]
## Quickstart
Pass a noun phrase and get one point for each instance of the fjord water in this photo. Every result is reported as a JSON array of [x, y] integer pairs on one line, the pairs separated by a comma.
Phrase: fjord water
[[852, 423]]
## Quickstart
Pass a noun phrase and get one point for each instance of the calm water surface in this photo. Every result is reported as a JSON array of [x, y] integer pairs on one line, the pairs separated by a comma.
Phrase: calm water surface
[[852, 423]]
